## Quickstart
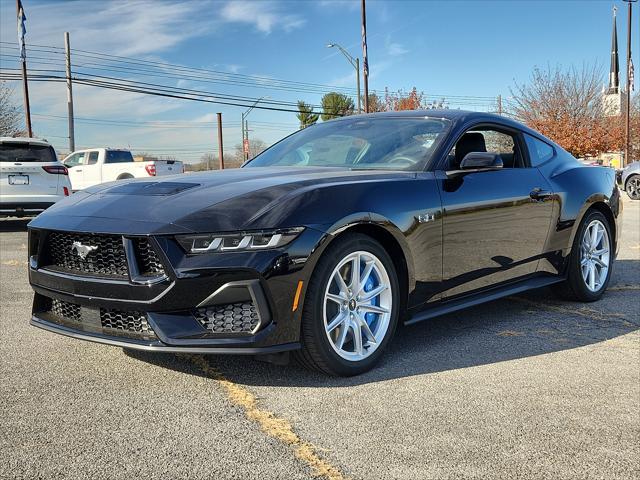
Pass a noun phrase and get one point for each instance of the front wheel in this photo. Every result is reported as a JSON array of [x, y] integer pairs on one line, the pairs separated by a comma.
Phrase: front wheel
[[590, 261], [633, 187], [351, 307]]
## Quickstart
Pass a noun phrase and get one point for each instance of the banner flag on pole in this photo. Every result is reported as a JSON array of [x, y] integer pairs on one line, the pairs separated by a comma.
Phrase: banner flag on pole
[[631, 76], [22, 31]]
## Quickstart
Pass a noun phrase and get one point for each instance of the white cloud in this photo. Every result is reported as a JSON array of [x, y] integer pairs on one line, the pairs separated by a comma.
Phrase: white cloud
[[123, 28], [394, 49], [266, 16]]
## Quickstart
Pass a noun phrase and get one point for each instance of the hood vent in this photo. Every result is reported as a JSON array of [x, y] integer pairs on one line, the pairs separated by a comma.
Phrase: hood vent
[[151, 188]]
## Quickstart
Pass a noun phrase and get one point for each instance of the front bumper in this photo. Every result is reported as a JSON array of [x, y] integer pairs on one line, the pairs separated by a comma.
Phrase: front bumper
[[20, 209], [158, 346], [182, 308]]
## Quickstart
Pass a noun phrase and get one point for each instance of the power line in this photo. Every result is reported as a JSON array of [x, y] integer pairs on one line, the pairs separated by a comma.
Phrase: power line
[[257, 81]]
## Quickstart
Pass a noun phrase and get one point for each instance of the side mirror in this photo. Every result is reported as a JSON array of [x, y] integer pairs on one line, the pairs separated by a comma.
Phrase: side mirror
[[480, 160]]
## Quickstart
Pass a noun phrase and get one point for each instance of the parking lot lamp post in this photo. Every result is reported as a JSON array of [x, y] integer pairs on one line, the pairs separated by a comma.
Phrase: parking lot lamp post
[[355, 63], [245, 127]]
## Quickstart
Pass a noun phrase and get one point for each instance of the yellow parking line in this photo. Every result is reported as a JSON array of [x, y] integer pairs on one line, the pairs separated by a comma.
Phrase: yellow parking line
[[275, 427], [618, 288], [14, 263]]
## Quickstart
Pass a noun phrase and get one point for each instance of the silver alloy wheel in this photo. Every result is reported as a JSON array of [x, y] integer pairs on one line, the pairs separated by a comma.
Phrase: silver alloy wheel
[[357, 306], [594, 258], [633, 187]]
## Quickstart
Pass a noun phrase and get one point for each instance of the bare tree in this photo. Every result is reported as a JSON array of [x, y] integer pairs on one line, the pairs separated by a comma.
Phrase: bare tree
[[10, 117], [567, 106], [256, 146]]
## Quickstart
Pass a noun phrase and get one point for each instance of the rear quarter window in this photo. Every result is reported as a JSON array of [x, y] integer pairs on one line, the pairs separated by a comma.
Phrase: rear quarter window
[[539, 151]]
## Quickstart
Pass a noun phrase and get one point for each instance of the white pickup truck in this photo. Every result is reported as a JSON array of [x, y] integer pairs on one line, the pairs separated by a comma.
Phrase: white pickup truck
[[98, 165]]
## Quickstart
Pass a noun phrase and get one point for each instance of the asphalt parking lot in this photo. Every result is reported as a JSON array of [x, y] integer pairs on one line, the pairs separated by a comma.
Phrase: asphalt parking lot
[[525, 387]]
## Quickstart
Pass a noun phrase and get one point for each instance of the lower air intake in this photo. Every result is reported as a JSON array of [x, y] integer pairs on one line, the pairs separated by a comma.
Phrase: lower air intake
[[229, 318], [132, 321]]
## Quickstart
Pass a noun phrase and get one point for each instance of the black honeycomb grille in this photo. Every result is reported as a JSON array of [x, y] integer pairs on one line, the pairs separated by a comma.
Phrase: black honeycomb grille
[[147, 258], [65, 310], [132, 321], [106, 259], [111, 321], [229, 318]]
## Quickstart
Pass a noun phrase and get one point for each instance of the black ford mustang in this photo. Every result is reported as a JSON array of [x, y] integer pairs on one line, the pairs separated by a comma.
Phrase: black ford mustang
[[324, 242]]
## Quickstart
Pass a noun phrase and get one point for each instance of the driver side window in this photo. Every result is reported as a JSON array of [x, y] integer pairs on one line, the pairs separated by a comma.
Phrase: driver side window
[[75, 160], [487, 140]]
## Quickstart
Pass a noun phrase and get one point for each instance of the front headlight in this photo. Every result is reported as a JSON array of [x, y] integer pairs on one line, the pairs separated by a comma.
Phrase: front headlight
[[238, 241]]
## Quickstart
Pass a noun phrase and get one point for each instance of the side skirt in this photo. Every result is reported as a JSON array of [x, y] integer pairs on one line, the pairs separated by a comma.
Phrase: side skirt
[[483, 297]]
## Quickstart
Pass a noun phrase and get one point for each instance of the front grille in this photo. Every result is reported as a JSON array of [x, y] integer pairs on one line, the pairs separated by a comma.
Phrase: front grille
[[106, 259], [127, 321], [111, 321], [65, 310], [229, 318], [104, 255], [148, 262]]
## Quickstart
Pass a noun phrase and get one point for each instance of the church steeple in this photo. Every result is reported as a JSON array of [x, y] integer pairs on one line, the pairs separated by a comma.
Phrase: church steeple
[[614, 70]]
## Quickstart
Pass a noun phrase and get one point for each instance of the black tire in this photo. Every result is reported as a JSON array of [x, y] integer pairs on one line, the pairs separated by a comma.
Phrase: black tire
[[317, 353], [632, 187], [574, 287], [125, 176]]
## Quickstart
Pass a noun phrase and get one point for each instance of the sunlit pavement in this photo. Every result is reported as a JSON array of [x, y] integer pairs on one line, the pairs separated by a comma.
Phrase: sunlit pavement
[[525, 387]]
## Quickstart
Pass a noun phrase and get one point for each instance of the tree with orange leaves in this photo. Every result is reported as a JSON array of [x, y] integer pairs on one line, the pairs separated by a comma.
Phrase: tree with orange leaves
[[404, 101], [567, 107]]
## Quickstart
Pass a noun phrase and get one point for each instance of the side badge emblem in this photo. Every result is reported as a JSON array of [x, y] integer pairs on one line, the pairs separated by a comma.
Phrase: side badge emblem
[[426, 217]]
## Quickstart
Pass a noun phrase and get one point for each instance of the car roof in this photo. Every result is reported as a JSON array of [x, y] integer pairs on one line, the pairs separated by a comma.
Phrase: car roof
[[32, 141]]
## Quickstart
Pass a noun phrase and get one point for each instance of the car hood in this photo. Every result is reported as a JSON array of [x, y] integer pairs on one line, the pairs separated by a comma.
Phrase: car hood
[[226, 200]]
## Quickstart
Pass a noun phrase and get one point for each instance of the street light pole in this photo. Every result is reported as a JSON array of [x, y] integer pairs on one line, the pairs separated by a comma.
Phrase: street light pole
[[245, 126], [355, 63]]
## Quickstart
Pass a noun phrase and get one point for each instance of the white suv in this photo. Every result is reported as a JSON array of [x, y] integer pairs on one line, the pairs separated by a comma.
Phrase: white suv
[[31, 177]]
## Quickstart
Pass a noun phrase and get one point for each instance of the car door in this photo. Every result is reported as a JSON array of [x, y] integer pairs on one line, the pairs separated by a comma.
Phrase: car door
[[91, 174], [495, 222], [75, 166]]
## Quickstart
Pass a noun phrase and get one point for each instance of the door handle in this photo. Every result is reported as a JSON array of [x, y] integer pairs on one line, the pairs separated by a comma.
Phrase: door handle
[[78, 169], [539, 194]]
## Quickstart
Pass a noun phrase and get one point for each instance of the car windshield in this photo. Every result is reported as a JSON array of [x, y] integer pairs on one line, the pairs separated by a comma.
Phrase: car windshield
[[359, 143], [24, 152]]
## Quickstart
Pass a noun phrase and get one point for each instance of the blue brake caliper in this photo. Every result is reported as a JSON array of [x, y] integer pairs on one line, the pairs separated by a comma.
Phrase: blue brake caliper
[[369, 285]]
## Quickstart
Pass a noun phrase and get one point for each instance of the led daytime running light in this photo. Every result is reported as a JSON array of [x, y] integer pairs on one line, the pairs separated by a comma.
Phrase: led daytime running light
[[240, 241]]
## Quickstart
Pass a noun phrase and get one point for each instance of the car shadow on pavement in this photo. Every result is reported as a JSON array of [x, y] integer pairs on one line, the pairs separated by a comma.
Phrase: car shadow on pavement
[[14, 225], [527, 325]]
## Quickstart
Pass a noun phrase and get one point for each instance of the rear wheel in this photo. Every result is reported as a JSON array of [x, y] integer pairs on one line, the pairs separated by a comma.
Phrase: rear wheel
[[351, 307], [590, 261], [125, 176], [633, 187]]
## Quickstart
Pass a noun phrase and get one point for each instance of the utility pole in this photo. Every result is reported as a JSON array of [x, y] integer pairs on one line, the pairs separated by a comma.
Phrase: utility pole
[[245, 145], [23, 55], [499, 104], [365, 58], [627, 143], [220, 149], [67, 50], [358, 82]]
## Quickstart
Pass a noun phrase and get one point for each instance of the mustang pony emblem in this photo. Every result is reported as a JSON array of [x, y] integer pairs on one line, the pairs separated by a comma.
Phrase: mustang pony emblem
[[82, 250]]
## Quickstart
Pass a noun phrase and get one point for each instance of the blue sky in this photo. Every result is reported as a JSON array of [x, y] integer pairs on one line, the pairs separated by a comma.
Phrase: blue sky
[[447, 49]]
